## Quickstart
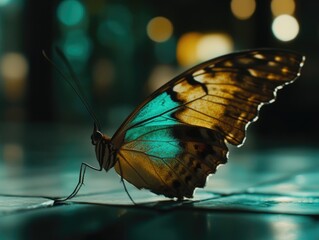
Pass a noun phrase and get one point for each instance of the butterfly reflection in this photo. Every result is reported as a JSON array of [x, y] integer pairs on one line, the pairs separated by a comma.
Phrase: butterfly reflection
[[172, 141]]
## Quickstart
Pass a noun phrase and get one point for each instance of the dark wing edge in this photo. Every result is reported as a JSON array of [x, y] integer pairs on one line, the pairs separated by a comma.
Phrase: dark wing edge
[[259, 74]]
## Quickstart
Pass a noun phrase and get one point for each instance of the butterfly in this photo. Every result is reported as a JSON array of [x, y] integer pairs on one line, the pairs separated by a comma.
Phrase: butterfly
[[178, 136]]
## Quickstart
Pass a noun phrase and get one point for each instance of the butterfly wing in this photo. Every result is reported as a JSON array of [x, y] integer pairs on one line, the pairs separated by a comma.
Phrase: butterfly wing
[[193, 115], [171, 160]]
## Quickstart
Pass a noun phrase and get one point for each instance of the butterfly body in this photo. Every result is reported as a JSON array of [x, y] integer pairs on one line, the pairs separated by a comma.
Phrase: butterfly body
[[178, 135]]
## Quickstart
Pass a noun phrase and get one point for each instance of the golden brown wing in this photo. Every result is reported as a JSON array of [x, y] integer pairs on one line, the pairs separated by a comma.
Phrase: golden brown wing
[[217, 98]]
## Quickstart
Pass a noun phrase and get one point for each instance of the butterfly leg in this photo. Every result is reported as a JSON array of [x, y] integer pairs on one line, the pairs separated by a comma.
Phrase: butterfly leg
[[80, 182], [124, 185]]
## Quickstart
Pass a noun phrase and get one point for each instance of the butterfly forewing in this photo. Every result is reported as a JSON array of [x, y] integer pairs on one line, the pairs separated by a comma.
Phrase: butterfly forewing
[[176, 138]]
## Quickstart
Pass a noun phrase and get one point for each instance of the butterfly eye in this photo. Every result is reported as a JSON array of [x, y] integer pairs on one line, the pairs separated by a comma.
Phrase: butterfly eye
[[96, 137]]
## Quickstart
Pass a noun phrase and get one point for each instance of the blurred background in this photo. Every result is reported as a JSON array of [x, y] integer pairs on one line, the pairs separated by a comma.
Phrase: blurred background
[[124, 50]]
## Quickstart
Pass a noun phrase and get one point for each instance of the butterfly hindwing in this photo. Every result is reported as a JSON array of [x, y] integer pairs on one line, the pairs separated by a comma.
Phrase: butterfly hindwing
[[215, 100], [172, 160]]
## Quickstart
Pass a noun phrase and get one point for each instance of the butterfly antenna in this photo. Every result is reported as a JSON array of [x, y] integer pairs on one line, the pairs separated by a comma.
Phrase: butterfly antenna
[[73, 81]]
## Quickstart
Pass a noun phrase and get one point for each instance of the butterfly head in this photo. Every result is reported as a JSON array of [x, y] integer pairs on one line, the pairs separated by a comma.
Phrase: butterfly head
[[103, 148], [96, 136]]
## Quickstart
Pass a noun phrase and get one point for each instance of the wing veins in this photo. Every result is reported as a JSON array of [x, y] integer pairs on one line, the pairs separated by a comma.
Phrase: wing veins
[[195, 110], [161, 114], [241, 88], [128, 163], [238, 99], [223, 104], [162, 159]]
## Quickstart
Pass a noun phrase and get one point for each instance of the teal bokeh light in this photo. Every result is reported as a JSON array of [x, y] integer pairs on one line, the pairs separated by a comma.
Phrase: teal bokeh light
[[77, 45], [70, 12], [4, 2]]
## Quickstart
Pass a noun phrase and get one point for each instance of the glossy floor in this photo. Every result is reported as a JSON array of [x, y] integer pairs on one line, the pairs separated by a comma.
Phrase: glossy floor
[[269, 193]]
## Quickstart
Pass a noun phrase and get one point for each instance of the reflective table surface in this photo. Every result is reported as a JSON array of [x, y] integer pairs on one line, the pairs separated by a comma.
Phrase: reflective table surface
[[265, 191]]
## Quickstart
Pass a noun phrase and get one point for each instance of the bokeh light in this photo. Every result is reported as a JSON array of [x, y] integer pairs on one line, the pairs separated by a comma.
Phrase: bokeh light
[[159, 29], [71, 12], [285, 27], [13, 66], [77, 45], [14, 69], [243, 9], [195, 47], [213, 45], [13, 153], [279, 7], [186, 48], [160, 75], [103, 76], [4, 2]]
